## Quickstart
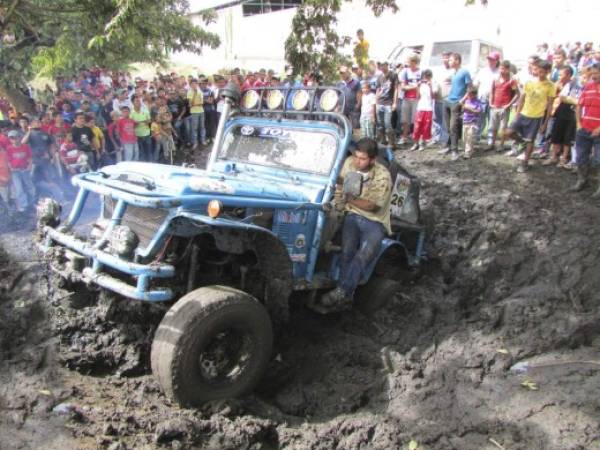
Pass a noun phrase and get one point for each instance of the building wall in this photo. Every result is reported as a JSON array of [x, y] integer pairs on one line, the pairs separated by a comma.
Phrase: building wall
[[517, 25]]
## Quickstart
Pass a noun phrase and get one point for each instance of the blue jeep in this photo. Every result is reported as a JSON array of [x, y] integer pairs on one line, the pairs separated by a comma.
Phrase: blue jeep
[[229, 246]]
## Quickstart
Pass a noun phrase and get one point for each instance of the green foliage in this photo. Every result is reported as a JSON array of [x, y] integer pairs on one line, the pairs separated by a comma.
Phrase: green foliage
[[314, 44], [51, 37]]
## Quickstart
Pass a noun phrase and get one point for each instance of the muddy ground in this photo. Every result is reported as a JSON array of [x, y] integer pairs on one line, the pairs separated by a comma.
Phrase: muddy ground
[[511, 277]]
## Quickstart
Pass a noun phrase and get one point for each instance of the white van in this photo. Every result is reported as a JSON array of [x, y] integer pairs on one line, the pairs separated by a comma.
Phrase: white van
[[474, 54]]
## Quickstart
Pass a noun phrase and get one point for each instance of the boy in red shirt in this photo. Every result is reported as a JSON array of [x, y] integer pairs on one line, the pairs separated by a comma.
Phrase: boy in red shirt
[[587, 139], [126, 132], [19, 160], [4, 171], [504, 94], [74, 160]]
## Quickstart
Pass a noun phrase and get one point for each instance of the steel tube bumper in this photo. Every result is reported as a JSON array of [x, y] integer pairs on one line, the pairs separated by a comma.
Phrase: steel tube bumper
[[100, 258]]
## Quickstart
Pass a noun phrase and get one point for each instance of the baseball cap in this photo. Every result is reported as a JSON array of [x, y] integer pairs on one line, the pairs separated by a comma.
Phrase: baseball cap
[[494, 56], [13, 134], [343, 69]]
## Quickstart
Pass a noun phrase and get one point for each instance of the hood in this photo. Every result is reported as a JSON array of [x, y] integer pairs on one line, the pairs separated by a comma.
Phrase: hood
[[181, 181]]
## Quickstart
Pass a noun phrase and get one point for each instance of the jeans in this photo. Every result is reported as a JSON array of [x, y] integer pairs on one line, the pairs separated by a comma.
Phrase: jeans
[[23, 188], [440, 133], [361, 241], [588, 148], [453, 123], [145, 147], [483, 118], [384, 118], [470, 133], [197, 127], [131, 152], [367, 128]]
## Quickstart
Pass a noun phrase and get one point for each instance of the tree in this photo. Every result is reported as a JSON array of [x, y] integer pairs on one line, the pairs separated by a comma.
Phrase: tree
[[314, 44], [52, 37]]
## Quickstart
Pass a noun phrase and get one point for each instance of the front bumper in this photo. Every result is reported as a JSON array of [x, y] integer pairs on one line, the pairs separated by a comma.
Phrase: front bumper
[[97, 259]]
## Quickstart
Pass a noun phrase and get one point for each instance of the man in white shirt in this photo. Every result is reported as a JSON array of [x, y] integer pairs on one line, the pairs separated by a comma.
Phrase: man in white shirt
[[484, 81]]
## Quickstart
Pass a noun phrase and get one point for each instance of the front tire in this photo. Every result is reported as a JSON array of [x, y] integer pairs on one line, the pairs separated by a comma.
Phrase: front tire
[[214, 343]]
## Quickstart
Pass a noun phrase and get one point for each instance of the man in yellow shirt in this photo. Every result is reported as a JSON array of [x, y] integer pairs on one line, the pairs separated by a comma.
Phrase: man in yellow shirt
[[533, 112], [366, 223], [361, 50], [196, 118]]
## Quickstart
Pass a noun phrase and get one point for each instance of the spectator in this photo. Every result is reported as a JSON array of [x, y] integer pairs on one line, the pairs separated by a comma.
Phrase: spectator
[[361, 49], [387, 96], [350, 88], [472, 110], [83, 137], [127, 137], [4, 171], [74, 160], [367, 111], [461, 81], [424, 113], [210, 112], [533, 112], [503, 96], [588, 132], [562, 133], [20, 163], [196, 118], [409, 80], [484, 80], [141, 116]]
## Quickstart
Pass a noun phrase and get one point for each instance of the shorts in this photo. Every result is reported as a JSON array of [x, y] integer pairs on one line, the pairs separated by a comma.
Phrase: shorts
[[526, 127], [563, 130], [409, 110]]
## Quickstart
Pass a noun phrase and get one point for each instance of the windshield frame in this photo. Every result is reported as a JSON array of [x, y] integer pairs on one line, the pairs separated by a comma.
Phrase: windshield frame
[[314, 127]]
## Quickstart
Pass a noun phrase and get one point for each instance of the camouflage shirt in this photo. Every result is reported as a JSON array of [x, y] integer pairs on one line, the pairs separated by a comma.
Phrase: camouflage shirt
[[376, 188]]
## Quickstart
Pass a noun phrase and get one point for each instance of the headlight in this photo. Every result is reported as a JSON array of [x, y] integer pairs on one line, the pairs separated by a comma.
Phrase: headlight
[[275, 99], [122, 241], [329, 100], [48, 212], [300, 100], [214, 208], [250, 99]]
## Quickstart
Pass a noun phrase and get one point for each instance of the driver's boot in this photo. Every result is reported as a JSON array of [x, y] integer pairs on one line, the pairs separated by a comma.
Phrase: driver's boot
[[582, 178], [391, 139]]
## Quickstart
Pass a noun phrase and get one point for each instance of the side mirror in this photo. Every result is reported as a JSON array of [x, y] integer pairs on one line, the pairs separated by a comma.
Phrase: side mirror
[[353, 182]]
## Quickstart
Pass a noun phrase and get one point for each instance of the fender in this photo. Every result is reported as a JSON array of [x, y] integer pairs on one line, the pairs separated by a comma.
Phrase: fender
[[386, 245]]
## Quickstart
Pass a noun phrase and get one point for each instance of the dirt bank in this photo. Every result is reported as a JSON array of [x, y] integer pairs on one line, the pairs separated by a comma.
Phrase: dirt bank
[[511, 278]]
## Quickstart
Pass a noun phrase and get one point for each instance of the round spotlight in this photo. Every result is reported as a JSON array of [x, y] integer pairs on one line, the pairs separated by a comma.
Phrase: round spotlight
[[329, 100], [300, 100], [275, 99], [250, 99], [214, 208]]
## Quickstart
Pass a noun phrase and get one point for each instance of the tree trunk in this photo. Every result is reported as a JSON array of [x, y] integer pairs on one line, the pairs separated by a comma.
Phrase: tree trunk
[[18, 100]]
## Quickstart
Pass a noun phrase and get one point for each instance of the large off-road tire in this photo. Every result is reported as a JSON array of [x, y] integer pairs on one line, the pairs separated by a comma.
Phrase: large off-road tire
[[214, 343], [375, 294]]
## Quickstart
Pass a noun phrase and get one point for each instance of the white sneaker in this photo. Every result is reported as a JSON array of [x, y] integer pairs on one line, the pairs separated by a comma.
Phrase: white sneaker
[[454, 156], [401, 141], [521, 157], [444, 151]]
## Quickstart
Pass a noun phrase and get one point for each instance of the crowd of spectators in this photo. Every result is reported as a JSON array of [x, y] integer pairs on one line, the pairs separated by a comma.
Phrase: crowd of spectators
[[100, 117]]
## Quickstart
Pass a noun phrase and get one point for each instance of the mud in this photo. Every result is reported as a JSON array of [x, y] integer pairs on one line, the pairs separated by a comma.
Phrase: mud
[[511, 277]]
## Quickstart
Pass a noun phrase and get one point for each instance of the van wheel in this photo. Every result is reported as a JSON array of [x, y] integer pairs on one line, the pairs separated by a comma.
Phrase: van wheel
[[214, 343], [375, 294]]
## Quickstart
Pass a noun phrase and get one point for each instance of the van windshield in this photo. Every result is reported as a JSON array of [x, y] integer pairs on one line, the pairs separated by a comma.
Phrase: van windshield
[[461, 47], [301, 150]]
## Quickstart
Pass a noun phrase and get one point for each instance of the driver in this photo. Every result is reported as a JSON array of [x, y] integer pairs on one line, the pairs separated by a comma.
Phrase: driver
[[367, 221]]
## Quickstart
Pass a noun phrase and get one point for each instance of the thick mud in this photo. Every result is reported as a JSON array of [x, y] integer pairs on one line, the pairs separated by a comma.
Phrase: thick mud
[[495, 346]]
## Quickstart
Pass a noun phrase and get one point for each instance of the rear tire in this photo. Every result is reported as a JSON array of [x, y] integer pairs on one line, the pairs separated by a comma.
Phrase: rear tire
[[214, 343], [375, 294]]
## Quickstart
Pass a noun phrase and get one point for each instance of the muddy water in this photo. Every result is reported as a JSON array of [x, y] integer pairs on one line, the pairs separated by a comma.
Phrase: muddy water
[[511, 278]]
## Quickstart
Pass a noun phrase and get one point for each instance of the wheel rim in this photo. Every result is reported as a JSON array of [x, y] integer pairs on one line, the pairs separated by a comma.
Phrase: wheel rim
[[226, 356]]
